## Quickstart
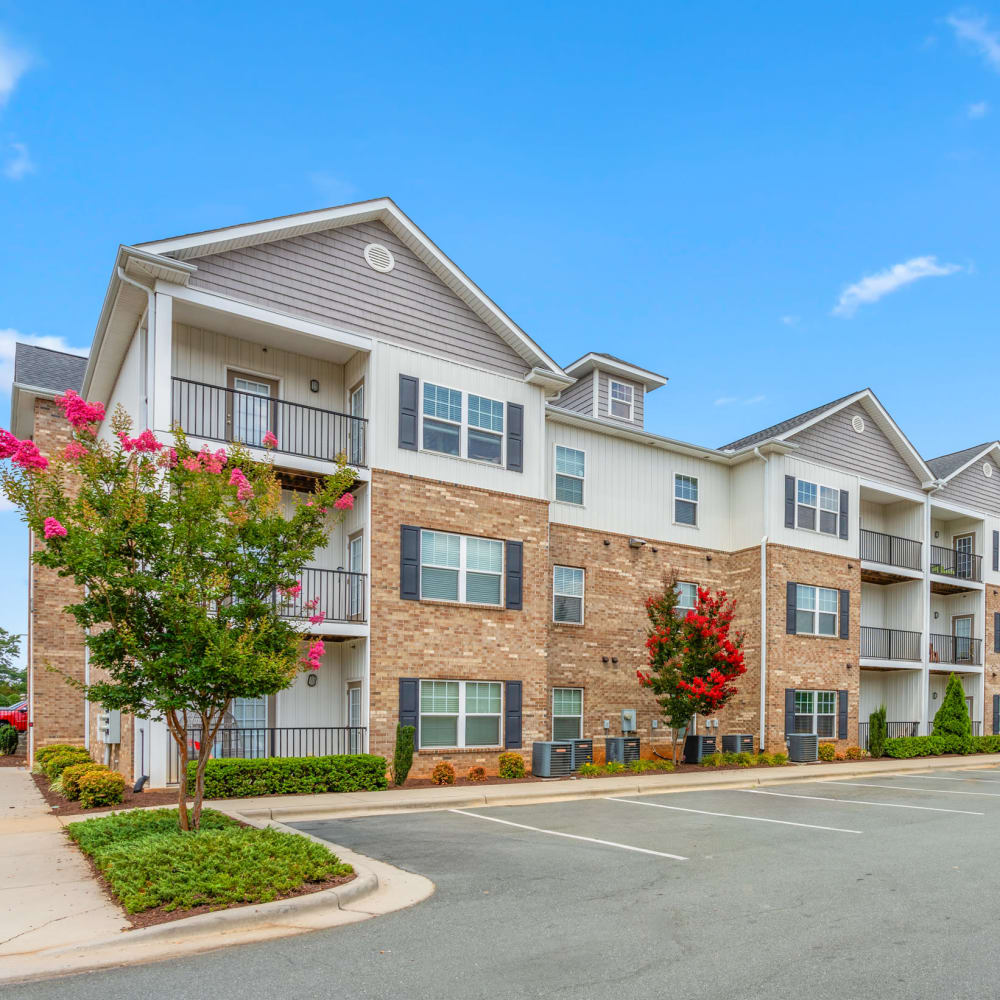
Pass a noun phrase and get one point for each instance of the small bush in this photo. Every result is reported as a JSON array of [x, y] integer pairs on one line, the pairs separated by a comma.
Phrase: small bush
[[43, 753], [663, 765], [8, 740], [511, 765], [952, 718], [764, 759], [779, 759], [641, 766], [101, 788], [854, 753], [744, 760], [231, 777], [827, 751], [70, 780], [443, 773], [402, 759], [986, 744], [877, 732], [614, 767], [57, 763], [590, 770], [713, 760], [477, 773]]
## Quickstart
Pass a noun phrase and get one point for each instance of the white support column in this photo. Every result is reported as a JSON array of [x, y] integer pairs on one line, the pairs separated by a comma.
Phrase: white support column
[[982, 677], [925, 637], [161, 361]]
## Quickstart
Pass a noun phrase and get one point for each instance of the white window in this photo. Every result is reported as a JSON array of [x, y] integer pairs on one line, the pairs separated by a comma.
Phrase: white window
[[567, 595], [442, 419], [570, 465], [485, 431], [460, 714], [620, 398], [818, 507], [567, 713], [816, 712], [687, 598], [686, 500], [816, 610], [459, 568]]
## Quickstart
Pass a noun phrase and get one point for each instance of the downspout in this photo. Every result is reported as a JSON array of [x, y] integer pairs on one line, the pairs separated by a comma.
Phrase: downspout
[[150, 322], [763, 605]]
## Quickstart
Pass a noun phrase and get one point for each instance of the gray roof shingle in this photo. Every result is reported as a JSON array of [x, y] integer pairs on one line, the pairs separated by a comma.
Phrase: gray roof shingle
[[45, 368], [786, 425], [944, 465]]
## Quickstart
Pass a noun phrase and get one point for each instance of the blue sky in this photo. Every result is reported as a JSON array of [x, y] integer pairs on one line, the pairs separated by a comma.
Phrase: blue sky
[[772, 204]]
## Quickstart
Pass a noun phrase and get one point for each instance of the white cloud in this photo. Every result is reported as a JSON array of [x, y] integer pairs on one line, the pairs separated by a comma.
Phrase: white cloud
[[331, 188], [20, 164], [978, 110], [731, 400], [973, 28], [9, 337], [874, 286], [790, 320], [13, 64]]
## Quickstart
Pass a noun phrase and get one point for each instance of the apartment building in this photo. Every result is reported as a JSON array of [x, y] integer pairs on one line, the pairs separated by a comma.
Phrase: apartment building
[[512, 515]]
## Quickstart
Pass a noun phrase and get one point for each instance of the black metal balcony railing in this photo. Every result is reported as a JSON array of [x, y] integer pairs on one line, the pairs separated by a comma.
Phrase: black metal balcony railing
[[890, 550], [273, 741], [220, 414], [889, 643], [341, 596], [960, 565], [893, 730], [956, 649]]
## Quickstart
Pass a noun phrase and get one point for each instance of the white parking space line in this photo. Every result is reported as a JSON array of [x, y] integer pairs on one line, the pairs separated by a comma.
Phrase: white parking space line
[[570, 836], [858, 802], [941, 777], [916, 788], [755, 819]]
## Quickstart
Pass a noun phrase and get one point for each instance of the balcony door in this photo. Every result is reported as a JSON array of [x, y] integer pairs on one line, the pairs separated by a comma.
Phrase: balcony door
[[964, 548], [354, 717], [356, 564], [357, 430], [250, 408], [961, 630]]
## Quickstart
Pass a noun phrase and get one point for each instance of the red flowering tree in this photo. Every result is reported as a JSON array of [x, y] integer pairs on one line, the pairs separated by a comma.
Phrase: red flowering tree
[[693, 658], [178, 555]]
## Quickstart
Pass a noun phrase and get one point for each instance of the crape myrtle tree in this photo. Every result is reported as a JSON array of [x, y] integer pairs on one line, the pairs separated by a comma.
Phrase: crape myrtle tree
[[13, 679], [693, 658], [182, 558]]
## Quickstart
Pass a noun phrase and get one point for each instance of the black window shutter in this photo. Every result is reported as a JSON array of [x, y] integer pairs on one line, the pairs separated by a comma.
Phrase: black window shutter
[[408, 393], [996, 715], [409, 562], [791, 593], [789, 501], [841, 715], [409, 702], [845, 498], [789, 711], [845, 614], [515, 437], [996, 631], [512, 715], [515, 576], [996, 551]]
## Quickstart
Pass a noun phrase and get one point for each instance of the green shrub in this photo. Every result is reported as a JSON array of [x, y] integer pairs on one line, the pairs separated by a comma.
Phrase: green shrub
[[43, 753], [8, 740], [443, 773], [854, 753], [663, 765], [402, 759], [232, 777], [827, 751], [70, 779], [986, 744], [713, 760], [952, 718], [150, 864], [477, 773], [641, 766], [101, 788], [58, 762], [878, 732], [614, 767], [744, 759], [779, 759], [511, 765], [590, 770]]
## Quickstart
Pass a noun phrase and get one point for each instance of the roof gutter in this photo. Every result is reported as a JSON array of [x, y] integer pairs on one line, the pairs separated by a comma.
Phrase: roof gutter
[[763, 606]]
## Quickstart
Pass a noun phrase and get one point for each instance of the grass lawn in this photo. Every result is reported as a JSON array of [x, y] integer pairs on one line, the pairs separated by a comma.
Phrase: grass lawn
[[149, 864]]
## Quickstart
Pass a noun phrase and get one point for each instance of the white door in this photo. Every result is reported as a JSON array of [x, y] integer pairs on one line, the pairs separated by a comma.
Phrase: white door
[[354, 718], [356, 564], [962, 631], [251, 410], [357, 451], [250, 716]]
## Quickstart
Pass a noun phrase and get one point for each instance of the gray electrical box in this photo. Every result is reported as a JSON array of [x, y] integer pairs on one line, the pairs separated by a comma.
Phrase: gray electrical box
[[109, 726], [628, 720]]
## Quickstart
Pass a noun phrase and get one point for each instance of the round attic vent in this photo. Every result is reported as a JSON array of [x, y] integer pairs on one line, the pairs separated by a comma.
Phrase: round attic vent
[[379, 258], [858, 423], [988, 469]]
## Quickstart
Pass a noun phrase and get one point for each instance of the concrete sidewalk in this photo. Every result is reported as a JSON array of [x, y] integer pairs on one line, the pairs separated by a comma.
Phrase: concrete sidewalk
[[48, 895], [343, 805]]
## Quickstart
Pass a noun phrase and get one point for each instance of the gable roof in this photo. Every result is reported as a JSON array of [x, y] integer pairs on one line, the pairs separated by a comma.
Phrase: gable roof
[[946, 466], [384, 210], [781, 429], [43, 368], [609, 363]]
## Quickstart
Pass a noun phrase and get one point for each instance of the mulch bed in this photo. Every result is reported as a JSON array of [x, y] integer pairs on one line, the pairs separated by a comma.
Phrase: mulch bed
[[13, 760], [132, 800]]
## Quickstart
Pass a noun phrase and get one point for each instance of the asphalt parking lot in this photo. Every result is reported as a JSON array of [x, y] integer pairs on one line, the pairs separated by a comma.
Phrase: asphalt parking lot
[[833, 889]]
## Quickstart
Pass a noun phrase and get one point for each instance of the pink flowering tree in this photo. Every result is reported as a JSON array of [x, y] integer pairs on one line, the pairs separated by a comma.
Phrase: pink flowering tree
[[183, 559]]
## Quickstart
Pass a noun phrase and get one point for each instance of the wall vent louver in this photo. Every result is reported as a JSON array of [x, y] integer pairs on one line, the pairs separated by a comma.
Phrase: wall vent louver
[[858, 423], [379, 258]]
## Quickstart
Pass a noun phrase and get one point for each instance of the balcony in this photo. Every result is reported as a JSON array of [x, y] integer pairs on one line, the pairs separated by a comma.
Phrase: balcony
[[341, 596], [219, 414], [889, 644], [956, 564], [890, 550], [957, 649], [893, 731]]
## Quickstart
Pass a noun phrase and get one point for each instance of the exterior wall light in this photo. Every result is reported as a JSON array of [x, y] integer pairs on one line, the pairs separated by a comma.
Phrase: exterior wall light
[[314, 385]]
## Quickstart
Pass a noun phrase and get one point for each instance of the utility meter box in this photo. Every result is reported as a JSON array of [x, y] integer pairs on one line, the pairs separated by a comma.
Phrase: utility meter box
[[109, 726], [628, 720]]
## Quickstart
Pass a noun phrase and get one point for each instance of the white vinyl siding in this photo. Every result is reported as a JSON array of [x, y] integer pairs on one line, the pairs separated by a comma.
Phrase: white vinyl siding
[[570, 473], [816, 610], [816, 712], [460, 568], [455, 714], [685, 500], [567, 595], [567, 713]]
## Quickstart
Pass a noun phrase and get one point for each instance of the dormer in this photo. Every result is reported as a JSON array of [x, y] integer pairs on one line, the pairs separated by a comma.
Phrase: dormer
[[608, 388]]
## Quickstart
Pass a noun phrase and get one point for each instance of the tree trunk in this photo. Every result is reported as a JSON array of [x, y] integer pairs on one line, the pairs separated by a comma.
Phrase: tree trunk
[[210, 724], [179, 733]]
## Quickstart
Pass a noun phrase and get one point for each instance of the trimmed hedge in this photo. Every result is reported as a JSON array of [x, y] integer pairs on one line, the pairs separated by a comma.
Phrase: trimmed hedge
[[101, 788], [43, 753], [72, 775], [58, 762], [905, 747], [232, 777]]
